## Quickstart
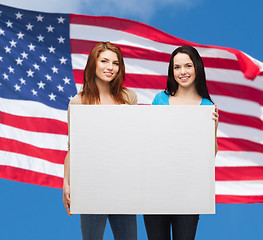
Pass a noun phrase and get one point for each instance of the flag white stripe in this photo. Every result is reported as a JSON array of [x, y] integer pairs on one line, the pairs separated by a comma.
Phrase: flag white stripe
[[132, 65], [238, 159], [31, 109], [95, 33], [238, 106], [239, 188], [232, 76], [79, 87], [241, 132], [31, 163], [41, 140], [141, 66], [146, 96]]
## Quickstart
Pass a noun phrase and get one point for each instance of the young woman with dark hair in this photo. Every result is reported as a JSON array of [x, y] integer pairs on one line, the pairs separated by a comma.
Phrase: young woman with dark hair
[[186, 85], [103, 79]]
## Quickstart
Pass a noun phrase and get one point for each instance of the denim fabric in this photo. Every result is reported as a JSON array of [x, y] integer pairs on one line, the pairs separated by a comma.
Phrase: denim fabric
[[124, 227], [159, 226]]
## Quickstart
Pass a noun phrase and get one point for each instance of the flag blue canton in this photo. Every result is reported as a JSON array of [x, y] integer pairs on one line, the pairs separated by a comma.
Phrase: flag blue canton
[[35, 57]]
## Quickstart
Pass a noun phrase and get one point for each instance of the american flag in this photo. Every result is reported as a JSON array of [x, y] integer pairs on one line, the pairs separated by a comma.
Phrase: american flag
[[42, 58]]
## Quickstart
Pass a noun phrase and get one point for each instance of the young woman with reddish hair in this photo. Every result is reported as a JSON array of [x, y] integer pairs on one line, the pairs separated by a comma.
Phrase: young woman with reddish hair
[[103, 85]]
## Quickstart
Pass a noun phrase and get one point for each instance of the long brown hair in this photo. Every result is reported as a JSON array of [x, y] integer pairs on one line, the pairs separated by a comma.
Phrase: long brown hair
[[90, 93]]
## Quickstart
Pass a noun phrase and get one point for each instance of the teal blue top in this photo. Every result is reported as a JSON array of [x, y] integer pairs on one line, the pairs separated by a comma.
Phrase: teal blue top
[[162, 98]]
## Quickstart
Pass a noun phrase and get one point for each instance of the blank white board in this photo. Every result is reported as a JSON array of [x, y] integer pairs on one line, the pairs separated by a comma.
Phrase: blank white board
[[142, 159]]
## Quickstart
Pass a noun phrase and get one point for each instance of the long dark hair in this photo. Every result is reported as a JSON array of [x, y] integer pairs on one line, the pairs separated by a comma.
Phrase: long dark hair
[[200, 79], [90, 93]]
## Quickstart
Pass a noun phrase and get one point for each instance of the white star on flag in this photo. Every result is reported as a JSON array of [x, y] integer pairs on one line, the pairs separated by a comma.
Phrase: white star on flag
[[24, 55], [41, 85], [36, 66], [30, 73], [7, 49], [11, 70], [19, 15], [61, 39], [19, 61], [13, 43], [29, 26], [60, 88], [51, 49], [66, 80], [40, 18], [5, 76], [9, 24], [34, 92], [20, 35], [48, 77], [40, 38], [63, 60], [17, 88], [54, 69], [43, 58], [52, 97], [23, 81], [61, 20], [50, 28], [31, 47]]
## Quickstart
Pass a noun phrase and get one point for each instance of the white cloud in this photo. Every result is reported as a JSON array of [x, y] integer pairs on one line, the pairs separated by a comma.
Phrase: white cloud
[[135, 9], [59, 6]]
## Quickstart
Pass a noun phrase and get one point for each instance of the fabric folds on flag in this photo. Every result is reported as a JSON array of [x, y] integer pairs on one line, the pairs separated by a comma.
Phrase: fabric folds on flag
[[42, 58]]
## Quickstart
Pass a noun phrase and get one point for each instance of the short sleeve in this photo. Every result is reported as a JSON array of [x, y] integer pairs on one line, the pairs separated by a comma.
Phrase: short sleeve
[[206, 101], [75, 100], [132, 97], [161, 98]]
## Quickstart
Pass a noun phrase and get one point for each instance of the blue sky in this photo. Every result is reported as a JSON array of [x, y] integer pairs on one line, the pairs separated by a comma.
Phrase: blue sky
[[35, 212]]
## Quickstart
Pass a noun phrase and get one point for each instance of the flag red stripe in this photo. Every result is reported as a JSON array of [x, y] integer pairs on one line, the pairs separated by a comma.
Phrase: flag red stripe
[[27, 176], [148, 81], [238, 199], [159, 82], [234, 144], [235, 91], [132, 80], [248, 67], [240, 119], [10, 145], [239, 173], [128, 26], [34, 124], [84, 47]]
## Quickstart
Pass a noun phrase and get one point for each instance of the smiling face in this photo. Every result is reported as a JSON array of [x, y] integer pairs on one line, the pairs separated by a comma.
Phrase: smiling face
[[107, 66], [184, 70]]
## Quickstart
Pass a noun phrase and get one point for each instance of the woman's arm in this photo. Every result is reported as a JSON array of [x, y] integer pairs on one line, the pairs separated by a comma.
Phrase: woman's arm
[[66, 183], [216, 116]]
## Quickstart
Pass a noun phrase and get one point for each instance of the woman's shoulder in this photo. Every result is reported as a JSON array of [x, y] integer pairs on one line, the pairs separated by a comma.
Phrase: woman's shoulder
[[76, 99], [206, 101], [131, 96], [161, 98]]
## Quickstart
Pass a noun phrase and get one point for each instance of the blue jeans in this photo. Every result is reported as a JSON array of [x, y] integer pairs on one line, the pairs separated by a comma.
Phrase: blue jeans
[[159, 226], [124, 227]]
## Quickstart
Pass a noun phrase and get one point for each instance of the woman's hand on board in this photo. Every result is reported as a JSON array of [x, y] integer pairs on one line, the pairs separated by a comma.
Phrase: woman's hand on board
[[215, 117], [66, 198]]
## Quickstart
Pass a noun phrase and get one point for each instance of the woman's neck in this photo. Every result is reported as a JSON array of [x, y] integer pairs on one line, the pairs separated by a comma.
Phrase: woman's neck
[[185, 96], [103, 87], [105, 95]]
